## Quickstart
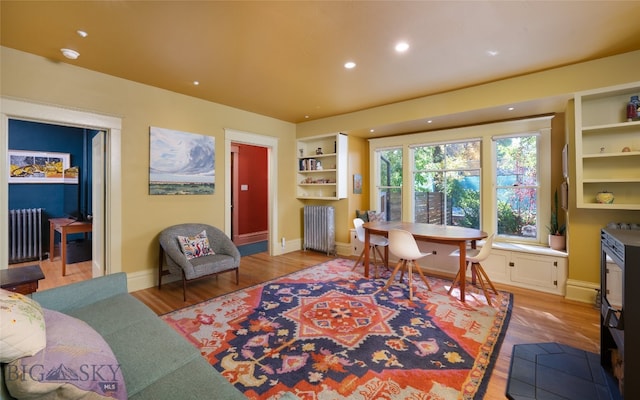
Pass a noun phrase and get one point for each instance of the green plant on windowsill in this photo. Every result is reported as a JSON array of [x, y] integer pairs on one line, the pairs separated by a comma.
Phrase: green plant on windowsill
[[556, 239], [554, 228]]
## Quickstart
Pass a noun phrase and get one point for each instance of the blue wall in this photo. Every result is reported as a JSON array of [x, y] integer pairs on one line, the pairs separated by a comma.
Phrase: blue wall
[[35, 136]]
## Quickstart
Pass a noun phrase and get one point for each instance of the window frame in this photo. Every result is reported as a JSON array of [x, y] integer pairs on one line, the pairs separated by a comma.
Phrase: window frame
[[488, 212]]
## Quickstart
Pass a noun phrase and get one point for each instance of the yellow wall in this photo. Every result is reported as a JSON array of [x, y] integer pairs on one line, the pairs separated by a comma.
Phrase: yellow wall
[[36, 79], [32, 78]]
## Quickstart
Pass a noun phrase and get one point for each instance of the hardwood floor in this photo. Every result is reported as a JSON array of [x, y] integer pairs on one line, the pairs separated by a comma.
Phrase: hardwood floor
[[536, 317], [52, 271]]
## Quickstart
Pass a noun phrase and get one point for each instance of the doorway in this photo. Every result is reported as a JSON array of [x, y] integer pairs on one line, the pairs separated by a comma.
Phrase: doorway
[[249, 198], [270, 144], [108, 259]]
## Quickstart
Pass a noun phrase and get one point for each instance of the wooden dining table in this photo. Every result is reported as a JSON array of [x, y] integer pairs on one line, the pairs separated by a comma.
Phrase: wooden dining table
[[444, 234]]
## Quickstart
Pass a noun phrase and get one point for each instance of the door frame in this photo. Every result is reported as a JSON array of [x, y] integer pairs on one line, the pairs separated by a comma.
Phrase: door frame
[[271, 143], [21, 110]]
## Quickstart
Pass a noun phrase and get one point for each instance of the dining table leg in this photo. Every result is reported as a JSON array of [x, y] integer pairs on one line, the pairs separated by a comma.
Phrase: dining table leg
[[463, 268], [367, 241]]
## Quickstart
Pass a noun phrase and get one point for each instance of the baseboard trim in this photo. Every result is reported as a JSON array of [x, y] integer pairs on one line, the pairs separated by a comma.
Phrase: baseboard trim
[[344, 249], [145, 279], [581, 291]]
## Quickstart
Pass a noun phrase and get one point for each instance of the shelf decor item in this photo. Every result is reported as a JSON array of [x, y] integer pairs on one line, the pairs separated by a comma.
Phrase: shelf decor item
[[633, 109], [605, 197], [557, 241]]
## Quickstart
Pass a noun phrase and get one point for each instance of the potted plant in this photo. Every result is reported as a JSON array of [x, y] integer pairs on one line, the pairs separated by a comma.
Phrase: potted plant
[[557, 240]]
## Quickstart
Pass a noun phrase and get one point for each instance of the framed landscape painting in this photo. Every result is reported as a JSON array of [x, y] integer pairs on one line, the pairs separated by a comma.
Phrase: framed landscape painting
[[181, 162]]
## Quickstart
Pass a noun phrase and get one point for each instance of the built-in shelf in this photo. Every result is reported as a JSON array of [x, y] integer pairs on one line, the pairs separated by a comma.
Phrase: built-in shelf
[[607, 148], [322, 167]]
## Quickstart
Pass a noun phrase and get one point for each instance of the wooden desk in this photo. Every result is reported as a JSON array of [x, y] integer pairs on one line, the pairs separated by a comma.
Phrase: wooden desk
[[65, 226], [429, 233], [23, 280]]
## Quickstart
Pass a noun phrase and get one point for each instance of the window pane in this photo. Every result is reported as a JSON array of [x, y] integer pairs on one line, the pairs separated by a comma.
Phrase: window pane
[[429, 158], [390, 167], [517, 186], [389, 185], [517, 161], [390, 202], [463, 199], [429, 199], [517, 211], [464, 155]]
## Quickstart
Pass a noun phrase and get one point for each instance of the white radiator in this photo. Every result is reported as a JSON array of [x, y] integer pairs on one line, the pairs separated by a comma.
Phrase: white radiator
[[319, 229], [25, 235]]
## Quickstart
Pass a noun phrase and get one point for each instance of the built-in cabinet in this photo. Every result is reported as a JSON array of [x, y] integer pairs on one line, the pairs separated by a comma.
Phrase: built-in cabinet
[[542, 270], [607, 148], [322, 167]]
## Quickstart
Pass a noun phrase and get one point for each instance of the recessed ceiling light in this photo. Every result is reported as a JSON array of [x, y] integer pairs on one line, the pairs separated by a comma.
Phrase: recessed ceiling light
[[196, 83], [70, 54], [429, 121], [349, 65], [401, 47], [493, 53], [372, 130], [306, 116], [511, 108], [82, 33]]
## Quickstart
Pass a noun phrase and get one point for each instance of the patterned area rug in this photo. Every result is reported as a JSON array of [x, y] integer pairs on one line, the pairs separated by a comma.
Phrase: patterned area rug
[[324, 333]]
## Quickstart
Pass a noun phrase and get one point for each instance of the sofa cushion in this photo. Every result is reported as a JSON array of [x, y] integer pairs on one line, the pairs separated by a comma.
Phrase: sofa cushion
[[195, 246], [149, 351], [23, 326], [203, 381], [76, 363]]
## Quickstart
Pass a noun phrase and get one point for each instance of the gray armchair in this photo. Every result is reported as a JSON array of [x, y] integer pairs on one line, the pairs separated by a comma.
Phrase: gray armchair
[[226, 257]]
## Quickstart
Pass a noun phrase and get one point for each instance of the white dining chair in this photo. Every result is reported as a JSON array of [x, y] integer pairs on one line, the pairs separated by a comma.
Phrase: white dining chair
[[375, 243], [474, 258], [403, 245]]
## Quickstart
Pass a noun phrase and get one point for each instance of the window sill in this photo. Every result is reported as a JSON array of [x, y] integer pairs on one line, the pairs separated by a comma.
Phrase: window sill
[[528, 248]]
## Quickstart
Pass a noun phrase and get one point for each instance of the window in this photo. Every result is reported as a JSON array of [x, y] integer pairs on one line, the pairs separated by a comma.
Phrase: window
[[389, 183], [517, 185], [496, 177], [446, 183]]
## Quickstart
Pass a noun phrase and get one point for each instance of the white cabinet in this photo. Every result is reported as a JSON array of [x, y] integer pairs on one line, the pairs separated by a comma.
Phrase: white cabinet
[[322, 167], [536, 271], [356, 245], [607, 148]]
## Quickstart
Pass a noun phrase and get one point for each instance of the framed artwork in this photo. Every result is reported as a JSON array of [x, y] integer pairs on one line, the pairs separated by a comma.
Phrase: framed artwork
[[357, 184], [37, 166], [181, 162]]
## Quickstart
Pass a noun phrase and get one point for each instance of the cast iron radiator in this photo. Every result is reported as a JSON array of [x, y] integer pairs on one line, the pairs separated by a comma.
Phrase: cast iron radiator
[[25, 235], [319, 229]]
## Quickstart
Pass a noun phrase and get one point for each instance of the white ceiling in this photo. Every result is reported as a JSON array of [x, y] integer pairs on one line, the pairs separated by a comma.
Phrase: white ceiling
[[285, 59]]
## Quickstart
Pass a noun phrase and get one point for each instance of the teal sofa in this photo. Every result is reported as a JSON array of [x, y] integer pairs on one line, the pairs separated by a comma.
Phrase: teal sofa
[[157, 363]]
